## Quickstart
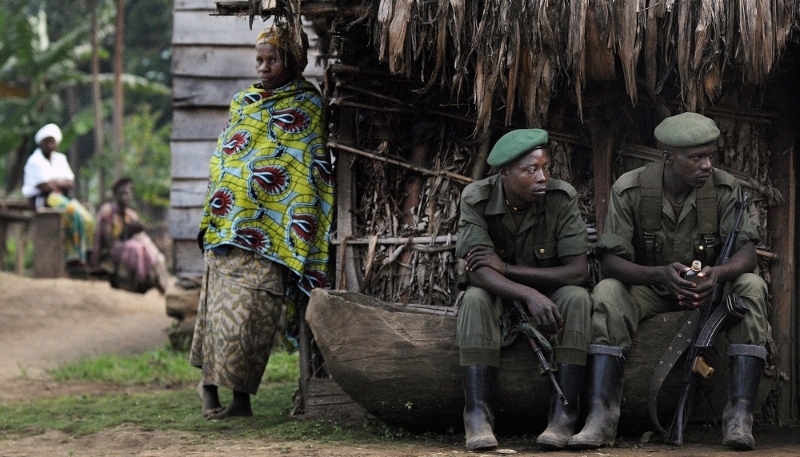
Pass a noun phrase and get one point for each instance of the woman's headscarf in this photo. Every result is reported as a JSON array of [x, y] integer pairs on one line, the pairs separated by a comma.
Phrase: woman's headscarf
[[49, 130], [282, 37]]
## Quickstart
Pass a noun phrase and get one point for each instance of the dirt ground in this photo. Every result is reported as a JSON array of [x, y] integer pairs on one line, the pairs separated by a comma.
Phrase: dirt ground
[[46, 322]]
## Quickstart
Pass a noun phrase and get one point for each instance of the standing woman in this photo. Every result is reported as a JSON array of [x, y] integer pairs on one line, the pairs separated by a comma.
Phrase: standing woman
[[265, 226], [47, 181]]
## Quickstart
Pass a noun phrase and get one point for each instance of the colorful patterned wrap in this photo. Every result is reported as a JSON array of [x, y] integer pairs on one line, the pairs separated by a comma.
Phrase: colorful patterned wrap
[[78, 226], [271, 186]]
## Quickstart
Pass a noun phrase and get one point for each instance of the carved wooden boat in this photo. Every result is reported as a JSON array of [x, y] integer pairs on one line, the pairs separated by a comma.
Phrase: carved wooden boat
[[401, 365]]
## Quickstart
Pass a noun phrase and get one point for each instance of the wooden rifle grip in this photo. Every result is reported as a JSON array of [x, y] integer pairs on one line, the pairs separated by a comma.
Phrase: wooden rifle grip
[[702, 368]]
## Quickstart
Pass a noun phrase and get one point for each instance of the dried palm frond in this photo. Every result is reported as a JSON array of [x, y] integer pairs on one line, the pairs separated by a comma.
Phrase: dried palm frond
[[520, 49]]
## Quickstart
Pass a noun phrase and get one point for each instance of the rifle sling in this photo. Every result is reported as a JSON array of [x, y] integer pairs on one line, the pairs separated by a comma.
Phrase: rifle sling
[[676, 347]]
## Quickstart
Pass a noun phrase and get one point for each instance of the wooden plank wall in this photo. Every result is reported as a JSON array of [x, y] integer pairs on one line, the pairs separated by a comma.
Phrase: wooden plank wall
[[212, 59]]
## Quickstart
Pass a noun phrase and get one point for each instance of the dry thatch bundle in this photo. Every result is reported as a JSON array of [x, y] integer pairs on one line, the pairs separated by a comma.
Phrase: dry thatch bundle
[[497, 53]]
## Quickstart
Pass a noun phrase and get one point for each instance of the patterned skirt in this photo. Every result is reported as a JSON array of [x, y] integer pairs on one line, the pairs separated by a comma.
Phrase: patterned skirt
[[239, 314], [78, 226]]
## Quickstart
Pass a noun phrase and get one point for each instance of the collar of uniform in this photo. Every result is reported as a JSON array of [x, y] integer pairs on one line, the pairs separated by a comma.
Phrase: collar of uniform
[[496, 203], [666, 206]]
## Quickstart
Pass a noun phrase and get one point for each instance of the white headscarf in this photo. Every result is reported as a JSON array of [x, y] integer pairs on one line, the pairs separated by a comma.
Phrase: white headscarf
[[49, 130]]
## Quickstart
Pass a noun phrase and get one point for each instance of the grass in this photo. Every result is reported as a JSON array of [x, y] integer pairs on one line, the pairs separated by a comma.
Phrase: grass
[[11, 255], [177, 407], [162, 367]]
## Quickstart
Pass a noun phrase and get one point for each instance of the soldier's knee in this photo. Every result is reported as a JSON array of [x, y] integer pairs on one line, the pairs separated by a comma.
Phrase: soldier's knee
[[750, 285], [574, 303], [607, 290], [576, 295], [476, 300]]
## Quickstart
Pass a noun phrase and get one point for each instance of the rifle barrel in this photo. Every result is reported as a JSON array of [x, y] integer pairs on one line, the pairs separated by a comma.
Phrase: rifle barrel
[[540, 355]]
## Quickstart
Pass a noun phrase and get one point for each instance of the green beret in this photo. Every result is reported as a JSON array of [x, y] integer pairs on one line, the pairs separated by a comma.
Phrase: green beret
[[515, 143], [686, 129]]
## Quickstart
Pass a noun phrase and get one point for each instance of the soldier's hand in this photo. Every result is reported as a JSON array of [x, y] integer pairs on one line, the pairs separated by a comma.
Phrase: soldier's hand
[[706, 280], [484, 256], [545, 315], [682, 289]]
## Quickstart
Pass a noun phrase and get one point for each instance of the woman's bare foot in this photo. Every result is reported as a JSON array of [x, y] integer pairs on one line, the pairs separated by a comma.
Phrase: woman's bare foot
[[230, 411], [210, 397], [240, 406]]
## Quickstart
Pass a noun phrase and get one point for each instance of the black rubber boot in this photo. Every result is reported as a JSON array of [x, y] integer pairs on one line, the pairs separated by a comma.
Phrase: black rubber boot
[[745, 374], [479, 384], [561, 423], [606, 367]]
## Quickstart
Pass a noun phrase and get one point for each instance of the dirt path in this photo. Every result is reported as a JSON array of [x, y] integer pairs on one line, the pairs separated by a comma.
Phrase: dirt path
[[44, 322]]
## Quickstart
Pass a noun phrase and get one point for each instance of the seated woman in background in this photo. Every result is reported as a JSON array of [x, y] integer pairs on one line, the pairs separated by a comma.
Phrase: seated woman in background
[[122, 249], [46, 183]]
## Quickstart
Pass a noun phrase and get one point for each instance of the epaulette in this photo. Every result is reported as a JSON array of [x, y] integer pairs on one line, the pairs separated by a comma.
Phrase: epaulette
[[557, 184], [628, 180], [723, 178], [472, 194]]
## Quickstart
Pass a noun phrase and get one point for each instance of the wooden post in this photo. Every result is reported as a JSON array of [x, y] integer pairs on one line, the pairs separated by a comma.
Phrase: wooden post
[[48, 251], [21, 249], [304, 343], [346, 276], [413, 189], [3, 252], [601, 163], [602, 151], [781, 221], [22, 221], [607, 121]]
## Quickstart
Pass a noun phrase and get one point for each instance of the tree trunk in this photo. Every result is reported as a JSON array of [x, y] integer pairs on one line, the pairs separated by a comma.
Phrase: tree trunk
[[119, 134], [17, 166], [72, 109], [98, 107]]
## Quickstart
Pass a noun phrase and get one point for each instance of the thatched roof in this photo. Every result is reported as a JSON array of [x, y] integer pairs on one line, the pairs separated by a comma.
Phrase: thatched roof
[[526, 51]]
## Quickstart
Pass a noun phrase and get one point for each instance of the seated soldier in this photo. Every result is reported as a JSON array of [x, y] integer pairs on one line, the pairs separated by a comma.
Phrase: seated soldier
[[523, 239], [123, 250], [661, 218]]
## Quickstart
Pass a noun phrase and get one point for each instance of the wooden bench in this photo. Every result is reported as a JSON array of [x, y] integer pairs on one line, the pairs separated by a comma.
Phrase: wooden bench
[[43, 228]]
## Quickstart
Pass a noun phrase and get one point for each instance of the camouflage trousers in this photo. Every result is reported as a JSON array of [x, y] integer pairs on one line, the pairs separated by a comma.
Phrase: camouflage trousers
[[618, 309], [483, 316], [239, 314]]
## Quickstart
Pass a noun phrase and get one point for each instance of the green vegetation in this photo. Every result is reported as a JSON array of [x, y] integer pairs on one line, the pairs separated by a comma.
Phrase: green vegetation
[[163, 367], [156, 410], [11, 255], [178, 409], [46, 76]]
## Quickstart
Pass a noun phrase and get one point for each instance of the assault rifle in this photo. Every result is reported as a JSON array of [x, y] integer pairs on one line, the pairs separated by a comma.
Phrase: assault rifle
[[537, 349], [713, 317]]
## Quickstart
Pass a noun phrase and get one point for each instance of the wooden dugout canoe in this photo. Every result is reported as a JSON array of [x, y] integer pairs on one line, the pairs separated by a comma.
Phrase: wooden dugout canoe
[[402, 366]]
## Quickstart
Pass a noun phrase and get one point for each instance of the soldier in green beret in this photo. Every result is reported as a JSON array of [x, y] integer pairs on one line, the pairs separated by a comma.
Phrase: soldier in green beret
[[523, 238], [661, 218]]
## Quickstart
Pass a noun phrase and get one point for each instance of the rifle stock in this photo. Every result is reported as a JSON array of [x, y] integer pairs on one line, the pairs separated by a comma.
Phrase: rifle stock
[[695, 364]]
